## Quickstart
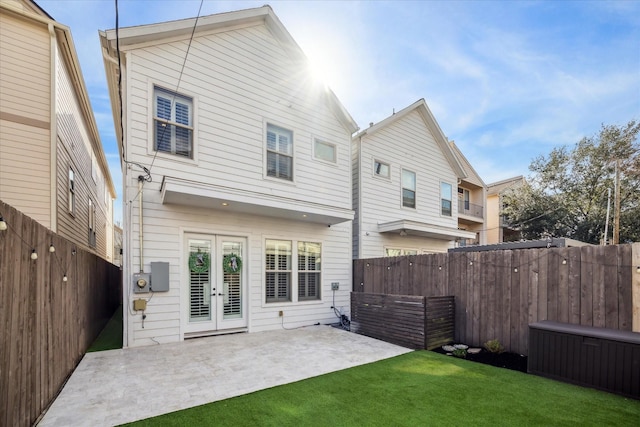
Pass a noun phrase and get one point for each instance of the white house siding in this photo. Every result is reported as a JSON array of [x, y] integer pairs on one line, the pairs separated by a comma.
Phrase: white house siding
[[25, 107], [239, 80], [355, 191], [406, 143], [164, 229], [236, 90], [75, 151]]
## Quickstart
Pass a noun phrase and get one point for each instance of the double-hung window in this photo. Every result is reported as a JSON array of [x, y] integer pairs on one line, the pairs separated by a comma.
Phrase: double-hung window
[[290, 264], [173, 123], [92, 224], [408, 189], [279, 152], [445, 198], [72, 192], [278, 270], [309, 271]]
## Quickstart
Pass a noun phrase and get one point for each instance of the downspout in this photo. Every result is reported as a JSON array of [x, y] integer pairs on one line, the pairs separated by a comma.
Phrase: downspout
[[140, 187]]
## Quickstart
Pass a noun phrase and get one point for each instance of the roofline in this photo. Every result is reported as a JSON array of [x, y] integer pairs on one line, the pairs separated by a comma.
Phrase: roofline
[[504, 181], [65, 40], [442, 141], [152, 33], [473, 170]]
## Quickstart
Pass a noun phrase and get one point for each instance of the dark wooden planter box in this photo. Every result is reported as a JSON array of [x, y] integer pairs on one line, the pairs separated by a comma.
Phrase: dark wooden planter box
[[606, 359]]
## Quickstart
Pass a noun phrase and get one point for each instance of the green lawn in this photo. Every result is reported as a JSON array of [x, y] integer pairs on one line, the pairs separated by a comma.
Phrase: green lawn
[[111, 336], [416, 389]]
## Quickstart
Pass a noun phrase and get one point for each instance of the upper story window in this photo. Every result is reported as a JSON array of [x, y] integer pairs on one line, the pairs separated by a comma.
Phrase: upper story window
[[92, 224], [463, 199], [381, 169], [408, 189], [173, 123], [445, 198], [72, 192], [279, 152], [324, 151]]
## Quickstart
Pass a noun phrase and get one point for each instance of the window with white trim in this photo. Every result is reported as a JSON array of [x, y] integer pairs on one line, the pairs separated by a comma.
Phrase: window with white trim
[[324, 151], [408, 189], [92, 224], [445, 198], [381, 169], [399, 252], [72, 192], [309, 266], [278, 270], [279, 152], [173, 123]]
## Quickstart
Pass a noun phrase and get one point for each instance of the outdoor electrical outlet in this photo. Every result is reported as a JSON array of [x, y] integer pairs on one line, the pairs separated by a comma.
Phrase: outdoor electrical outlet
[[335, 286], [281, 313]]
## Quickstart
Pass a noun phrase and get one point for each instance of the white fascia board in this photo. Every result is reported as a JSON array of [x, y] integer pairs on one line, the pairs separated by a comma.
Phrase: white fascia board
[[424, 229]]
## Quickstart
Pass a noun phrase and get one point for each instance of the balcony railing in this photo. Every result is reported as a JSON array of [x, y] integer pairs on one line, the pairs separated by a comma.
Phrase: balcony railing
[[470, 209]]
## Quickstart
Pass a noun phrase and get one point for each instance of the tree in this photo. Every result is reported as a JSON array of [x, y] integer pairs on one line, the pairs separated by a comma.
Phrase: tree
[[567, 194]]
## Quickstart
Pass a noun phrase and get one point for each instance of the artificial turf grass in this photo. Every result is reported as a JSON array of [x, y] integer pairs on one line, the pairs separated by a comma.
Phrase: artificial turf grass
[[111, 336], [418, 388]]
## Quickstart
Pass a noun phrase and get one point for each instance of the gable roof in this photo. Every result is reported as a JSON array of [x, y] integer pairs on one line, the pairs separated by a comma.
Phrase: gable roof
[[472, 175], [421, 107], [153, 34], [500, 186]]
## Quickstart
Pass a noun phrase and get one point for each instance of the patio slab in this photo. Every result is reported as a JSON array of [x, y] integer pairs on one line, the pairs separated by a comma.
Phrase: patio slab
[[118, 386]]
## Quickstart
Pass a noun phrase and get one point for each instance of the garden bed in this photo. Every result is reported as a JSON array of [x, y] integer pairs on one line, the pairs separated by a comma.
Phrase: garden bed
[[513, 361]]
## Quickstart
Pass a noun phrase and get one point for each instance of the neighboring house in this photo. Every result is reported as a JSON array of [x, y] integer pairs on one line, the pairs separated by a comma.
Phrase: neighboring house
[[405, 178], [117, 245], [498, 230], [52, 166], [244, 220], [472, 196]]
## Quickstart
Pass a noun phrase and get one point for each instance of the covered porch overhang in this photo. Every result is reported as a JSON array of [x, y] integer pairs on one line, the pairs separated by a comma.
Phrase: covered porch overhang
[[178, 191], [421, 229]]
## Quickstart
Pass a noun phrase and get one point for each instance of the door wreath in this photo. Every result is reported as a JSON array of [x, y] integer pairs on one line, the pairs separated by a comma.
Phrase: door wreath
[[199, 262], [232, 263]]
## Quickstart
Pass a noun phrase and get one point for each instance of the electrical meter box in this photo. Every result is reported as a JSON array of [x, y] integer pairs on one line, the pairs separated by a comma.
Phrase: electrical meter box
[[141, 283], [159, 277]]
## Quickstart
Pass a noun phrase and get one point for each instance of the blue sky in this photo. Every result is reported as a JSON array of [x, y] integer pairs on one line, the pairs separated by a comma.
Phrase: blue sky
[[507, 80]]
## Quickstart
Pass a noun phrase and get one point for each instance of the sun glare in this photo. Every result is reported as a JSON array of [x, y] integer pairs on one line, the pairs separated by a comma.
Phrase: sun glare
[[322, 68]]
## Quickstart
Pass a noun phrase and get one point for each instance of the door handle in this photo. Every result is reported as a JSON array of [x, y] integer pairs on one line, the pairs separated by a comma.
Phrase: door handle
[[219, 294]]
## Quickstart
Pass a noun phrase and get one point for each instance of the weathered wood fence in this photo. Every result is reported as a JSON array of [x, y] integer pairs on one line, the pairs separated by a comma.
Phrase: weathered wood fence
[[46, 323], [499, 293]]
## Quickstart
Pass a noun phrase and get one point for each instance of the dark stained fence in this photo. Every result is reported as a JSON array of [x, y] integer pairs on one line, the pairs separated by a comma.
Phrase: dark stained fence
[[409, 321], [499, 293], [46, 324]]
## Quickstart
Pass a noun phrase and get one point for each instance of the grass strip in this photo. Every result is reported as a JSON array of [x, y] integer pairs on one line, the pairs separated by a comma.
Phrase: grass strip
[[111, 336], [419, 388]]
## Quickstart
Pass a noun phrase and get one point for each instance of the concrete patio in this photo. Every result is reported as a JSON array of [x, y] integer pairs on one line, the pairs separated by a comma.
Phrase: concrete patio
[[118, 386]]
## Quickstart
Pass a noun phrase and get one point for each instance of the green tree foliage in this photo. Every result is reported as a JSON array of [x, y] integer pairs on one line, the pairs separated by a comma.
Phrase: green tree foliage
[[566, 196]]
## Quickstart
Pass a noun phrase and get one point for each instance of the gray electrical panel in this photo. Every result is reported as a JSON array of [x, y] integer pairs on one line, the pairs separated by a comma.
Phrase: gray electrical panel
[[159, 276]]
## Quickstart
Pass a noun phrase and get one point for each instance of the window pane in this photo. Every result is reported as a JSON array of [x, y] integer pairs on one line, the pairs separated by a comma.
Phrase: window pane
[[163, 108], [381, 169], [409, 180], [408, 198], [445, 190], [392, 252], [445, 195], [278, 266], [182, 114], [173, 117], [325, 151], [446, 207]]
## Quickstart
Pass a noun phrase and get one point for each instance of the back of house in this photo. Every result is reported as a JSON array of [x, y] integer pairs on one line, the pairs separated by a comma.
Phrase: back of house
[[236, 169]]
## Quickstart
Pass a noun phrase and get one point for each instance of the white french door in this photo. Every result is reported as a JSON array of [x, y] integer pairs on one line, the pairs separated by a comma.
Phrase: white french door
[[215, 286]]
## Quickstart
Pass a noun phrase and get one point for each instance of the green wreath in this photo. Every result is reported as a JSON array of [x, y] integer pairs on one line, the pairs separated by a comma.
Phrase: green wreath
[[199, 262], [232, 263]]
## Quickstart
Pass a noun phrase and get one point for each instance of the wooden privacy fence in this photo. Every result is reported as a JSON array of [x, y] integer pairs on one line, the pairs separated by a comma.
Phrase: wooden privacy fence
[[46, 323], [410, 321], [499, 293]]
